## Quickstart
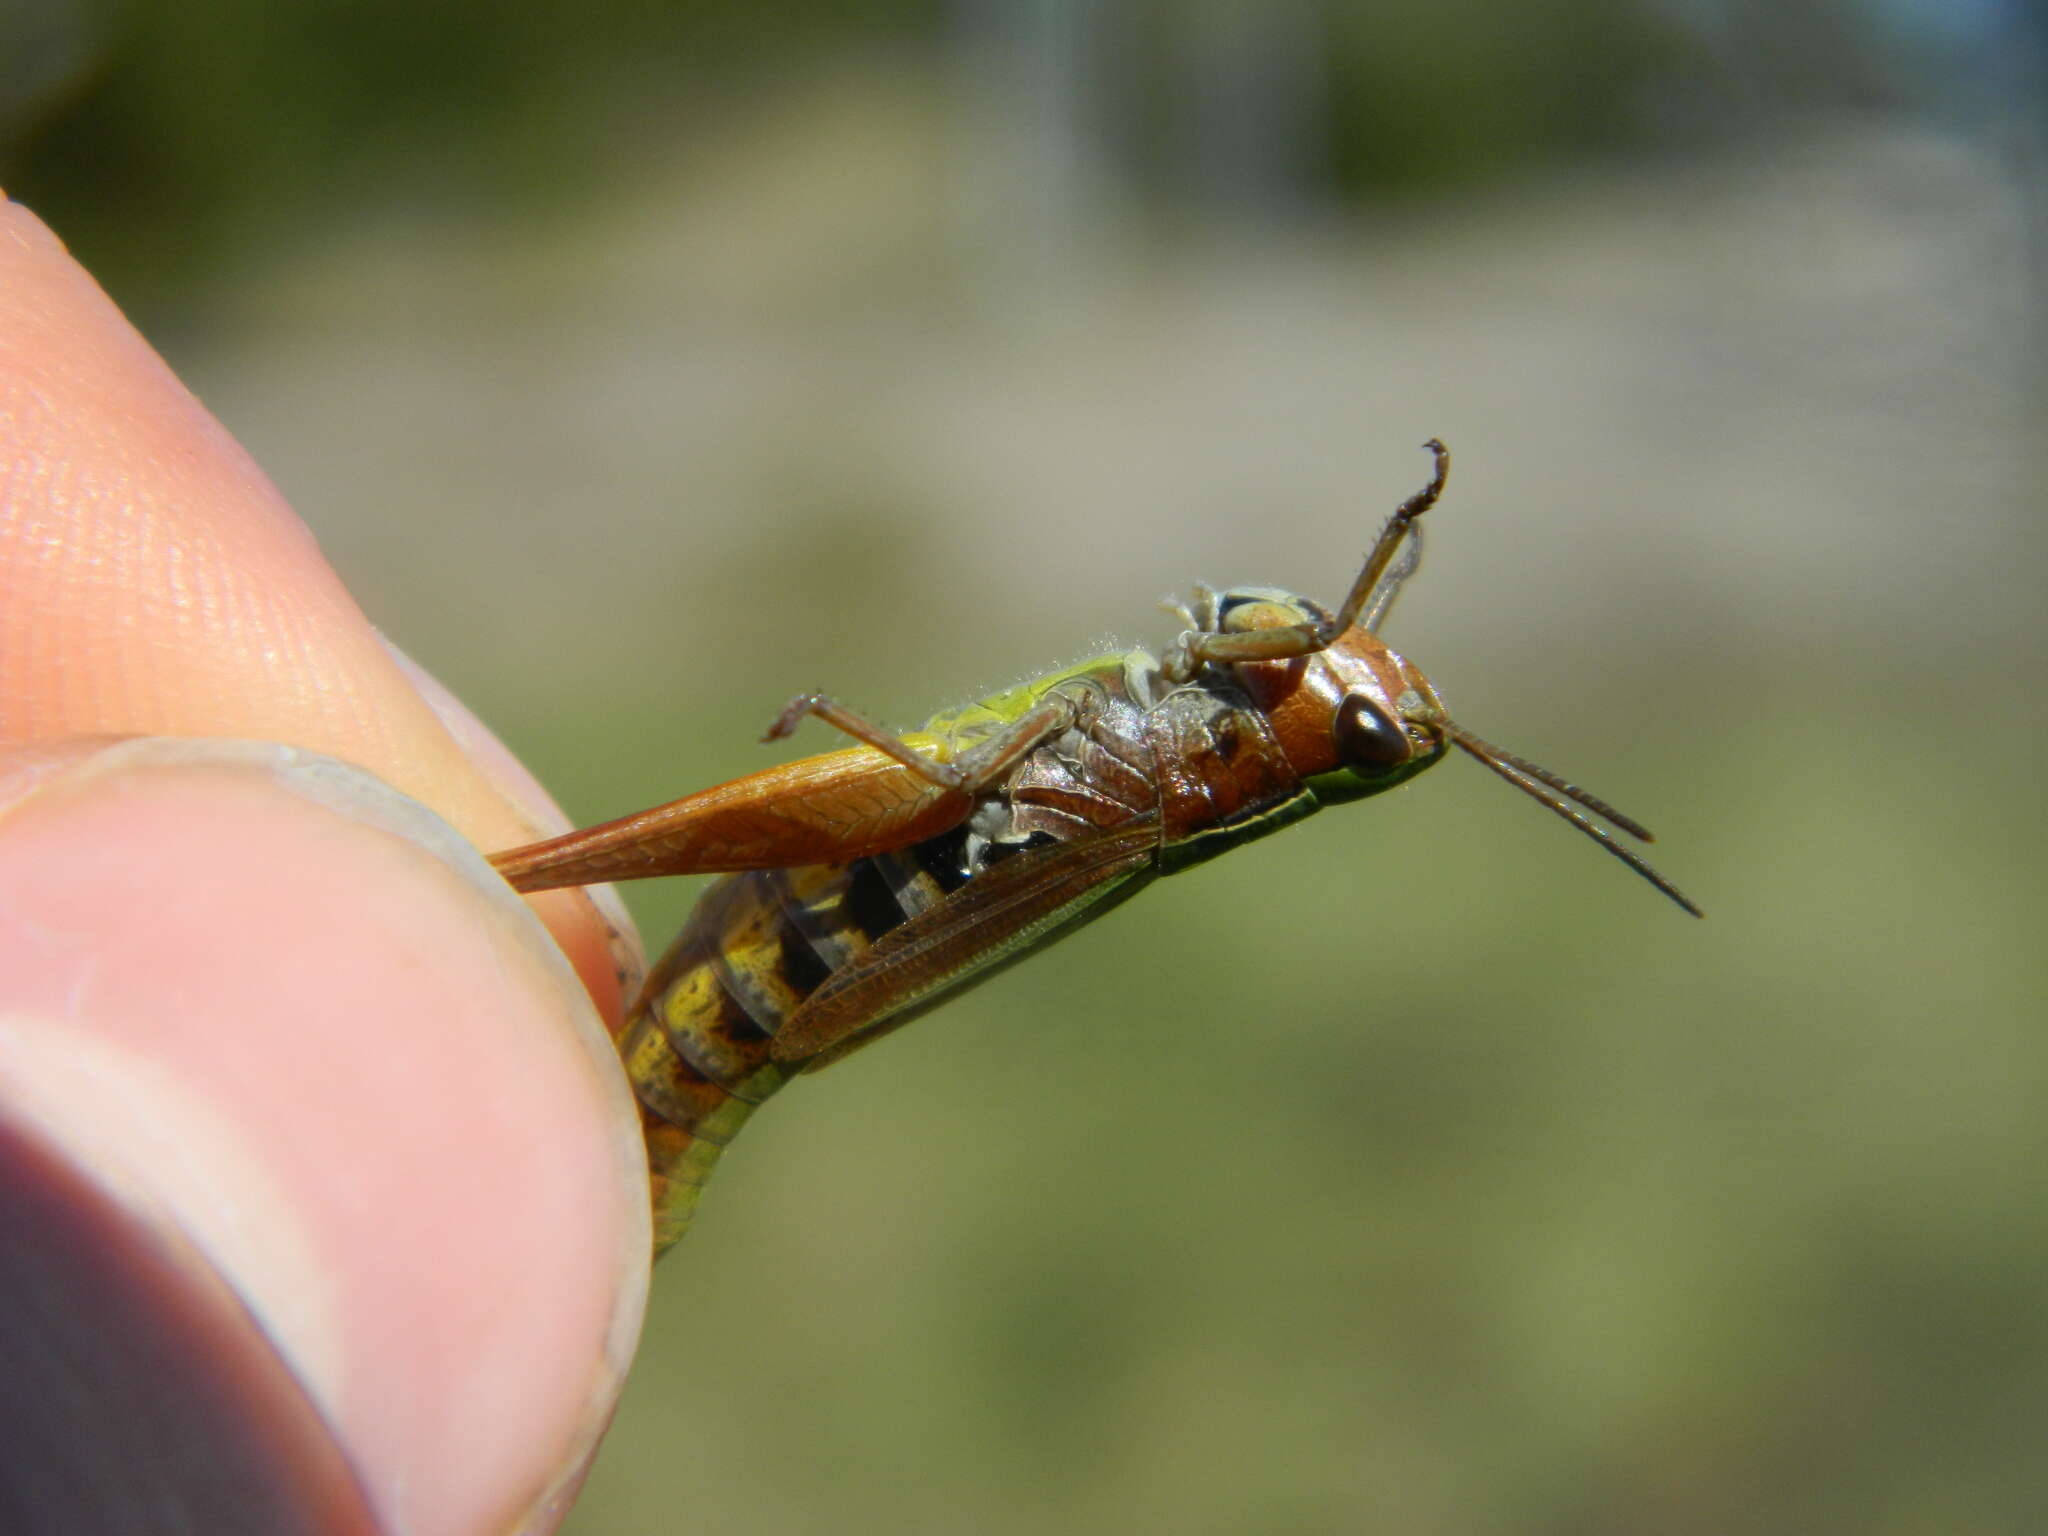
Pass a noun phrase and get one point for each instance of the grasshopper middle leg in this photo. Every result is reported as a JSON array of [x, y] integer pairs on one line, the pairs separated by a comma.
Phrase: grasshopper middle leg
[[982, 765]]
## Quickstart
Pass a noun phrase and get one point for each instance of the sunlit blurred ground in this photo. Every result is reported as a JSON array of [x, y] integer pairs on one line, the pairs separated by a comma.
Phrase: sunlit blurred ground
[[1418, 1171]]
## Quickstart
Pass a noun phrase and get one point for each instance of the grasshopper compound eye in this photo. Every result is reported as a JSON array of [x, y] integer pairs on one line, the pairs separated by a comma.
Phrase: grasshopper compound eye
[[1369, 741]]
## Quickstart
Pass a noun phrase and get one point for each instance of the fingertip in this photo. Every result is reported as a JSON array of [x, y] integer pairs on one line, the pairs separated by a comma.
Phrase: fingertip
[[142, 548]]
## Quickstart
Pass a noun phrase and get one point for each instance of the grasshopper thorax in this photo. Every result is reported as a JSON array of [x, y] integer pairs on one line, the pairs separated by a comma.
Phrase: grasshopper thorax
[[1356, 710]]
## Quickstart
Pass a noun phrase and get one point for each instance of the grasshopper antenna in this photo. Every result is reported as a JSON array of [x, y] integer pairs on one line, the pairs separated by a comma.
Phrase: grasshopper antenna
[[1564, 798]]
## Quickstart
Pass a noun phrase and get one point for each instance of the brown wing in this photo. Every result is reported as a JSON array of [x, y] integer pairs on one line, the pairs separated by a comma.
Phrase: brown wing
[[820, 810], [997, 917]]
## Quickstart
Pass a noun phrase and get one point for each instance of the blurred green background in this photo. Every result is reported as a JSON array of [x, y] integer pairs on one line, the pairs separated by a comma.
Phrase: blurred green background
[[642, 363]]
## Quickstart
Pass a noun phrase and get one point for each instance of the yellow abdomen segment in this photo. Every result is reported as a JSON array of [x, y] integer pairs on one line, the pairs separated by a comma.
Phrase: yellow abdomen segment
[[696, 1044]]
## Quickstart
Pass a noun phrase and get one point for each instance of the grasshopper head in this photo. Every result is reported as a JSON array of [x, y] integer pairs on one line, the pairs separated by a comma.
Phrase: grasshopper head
[[1357, 717]]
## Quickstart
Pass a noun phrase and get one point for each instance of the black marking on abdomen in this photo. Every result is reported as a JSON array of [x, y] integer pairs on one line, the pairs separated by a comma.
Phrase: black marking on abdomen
[[801, 965], [944, 859], [870, 904]]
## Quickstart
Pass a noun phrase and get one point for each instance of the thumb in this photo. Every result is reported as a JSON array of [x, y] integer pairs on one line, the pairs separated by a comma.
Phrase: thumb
[[340, 1122]]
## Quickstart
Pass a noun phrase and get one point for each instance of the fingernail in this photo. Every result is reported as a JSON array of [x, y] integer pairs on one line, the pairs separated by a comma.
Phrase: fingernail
[[40, 770]]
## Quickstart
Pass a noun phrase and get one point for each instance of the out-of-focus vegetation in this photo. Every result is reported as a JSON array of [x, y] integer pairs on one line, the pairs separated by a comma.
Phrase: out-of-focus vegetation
[[1414, 1171], [171, 139]]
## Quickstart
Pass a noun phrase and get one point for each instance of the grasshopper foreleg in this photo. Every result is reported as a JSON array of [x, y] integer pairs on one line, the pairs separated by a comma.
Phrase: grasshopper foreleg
[[1368, 601]]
